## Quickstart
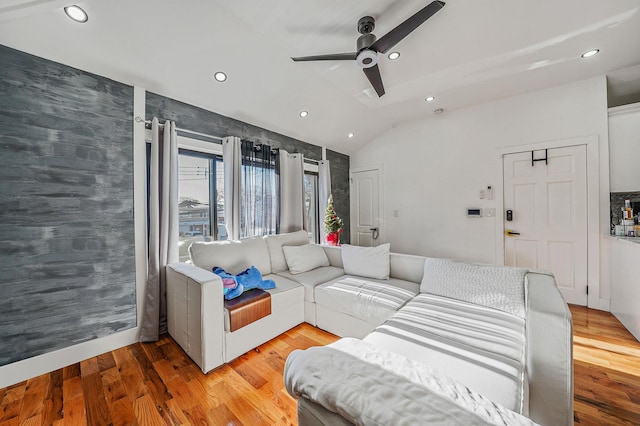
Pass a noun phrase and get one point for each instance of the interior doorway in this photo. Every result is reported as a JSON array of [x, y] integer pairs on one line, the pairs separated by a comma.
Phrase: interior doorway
[[365, 207], [545, 218]]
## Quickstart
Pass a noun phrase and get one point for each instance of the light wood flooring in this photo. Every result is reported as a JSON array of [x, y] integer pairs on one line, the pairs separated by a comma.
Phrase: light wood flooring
[[157, 384]]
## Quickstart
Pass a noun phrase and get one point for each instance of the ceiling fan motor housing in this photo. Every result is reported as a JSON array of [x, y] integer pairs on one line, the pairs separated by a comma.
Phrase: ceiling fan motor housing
[[366, 24]]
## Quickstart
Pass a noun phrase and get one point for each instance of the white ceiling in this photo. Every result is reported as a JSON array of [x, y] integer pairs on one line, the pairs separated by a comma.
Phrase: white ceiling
[[470, 52]]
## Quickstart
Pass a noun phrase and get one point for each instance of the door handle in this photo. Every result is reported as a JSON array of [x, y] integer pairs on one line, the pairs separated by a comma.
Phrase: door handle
[[374, 233], [510, 233]]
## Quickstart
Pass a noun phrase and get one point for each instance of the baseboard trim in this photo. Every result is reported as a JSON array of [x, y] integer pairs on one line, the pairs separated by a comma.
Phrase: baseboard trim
[[600, 304], [19, 371]]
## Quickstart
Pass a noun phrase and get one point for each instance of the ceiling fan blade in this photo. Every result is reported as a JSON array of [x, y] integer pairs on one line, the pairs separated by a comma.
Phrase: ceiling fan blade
[[331, 57], [394, 36], [373, 74]]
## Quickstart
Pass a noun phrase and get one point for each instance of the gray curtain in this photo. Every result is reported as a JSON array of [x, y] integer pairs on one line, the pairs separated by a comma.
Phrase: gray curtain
[[259, 190], [162, 211], [231, 155], [292, 206], [324, 191]]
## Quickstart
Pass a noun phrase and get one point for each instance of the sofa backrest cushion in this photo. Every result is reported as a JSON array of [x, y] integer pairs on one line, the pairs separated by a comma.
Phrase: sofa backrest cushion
[[232, 256], [334, 254], [498, 287], [368, 262], [275, 243], [304, 258], [407, 267]]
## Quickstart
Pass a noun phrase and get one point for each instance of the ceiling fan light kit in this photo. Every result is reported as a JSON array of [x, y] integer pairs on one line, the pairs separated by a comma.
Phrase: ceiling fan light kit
[[368, 46], [367, 58]]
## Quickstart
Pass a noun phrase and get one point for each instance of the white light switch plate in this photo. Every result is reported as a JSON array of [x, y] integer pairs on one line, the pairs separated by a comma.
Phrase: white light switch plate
[[490, 212]]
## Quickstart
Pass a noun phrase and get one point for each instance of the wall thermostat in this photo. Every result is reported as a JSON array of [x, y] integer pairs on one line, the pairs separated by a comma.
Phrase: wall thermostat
[[474, 212]]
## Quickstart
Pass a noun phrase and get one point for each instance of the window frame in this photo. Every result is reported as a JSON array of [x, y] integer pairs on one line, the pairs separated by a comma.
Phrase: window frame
[[214, 160]]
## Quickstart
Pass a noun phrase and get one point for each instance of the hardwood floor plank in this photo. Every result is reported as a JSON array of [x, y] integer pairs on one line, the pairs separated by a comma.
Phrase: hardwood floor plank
[[53, 409], [34, 396], [146, 413], [156, 383], [130, 373], [95, 402], [606, 370], [12, 402], [71, 371], [73, 402], [122, 412], [106, 361], [222, 415]]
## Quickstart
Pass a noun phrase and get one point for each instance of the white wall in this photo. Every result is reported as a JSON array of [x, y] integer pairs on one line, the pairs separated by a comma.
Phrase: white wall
[[624, 148], [435, 167]]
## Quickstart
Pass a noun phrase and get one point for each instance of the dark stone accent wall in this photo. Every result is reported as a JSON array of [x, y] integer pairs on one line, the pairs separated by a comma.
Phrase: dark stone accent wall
[[67, 268], [340, 189], [203, 121]]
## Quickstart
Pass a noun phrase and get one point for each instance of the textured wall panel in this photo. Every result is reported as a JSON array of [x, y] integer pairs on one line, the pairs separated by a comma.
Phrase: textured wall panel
[[340, 190], [203, 121], [67, 270]]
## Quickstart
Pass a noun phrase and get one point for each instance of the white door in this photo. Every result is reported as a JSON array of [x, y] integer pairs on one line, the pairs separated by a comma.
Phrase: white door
[[548, 230], [365, 207]]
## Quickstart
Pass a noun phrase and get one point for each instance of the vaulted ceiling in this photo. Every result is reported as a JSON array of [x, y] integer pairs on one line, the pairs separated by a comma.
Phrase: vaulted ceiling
[[470, 52]]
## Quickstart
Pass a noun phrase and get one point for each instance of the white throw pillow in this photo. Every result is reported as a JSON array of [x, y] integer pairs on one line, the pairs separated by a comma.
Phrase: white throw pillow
[[275, 244], [498, 287], [368, 262], [305, 258]]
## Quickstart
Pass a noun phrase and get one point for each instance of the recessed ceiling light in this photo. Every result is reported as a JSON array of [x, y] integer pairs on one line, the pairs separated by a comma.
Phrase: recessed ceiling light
[[220, 76], [303, 114], [76, 13], [394, 55], [350, 135], [430, 98], [590, 53]]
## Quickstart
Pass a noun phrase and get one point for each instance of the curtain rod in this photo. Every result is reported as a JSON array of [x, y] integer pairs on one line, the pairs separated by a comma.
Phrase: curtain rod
[[148, 123], [138, 119]]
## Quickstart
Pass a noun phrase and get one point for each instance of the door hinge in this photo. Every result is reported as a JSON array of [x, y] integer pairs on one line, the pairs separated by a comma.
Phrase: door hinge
[[587, 290]]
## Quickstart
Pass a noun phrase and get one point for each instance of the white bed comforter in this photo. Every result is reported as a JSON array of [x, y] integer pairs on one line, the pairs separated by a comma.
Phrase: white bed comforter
[[370, 386]]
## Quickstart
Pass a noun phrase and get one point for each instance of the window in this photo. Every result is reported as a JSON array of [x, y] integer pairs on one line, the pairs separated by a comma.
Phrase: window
[[311, 206], [200, 198], [260, 190]]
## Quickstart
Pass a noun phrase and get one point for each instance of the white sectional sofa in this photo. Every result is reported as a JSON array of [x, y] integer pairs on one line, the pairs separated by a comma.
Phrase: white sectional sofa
[[521, 361]]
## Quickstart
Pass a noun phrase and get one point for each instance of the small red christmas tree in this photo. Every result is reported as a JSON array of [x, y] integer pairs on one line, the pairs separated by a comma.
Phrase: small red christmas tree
[[332, 223]]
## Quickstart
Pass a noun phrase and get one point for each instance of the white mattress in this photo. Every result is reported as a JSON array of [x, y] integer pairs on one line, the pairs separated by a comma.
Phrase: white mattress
[[481, 347], [371, 300]]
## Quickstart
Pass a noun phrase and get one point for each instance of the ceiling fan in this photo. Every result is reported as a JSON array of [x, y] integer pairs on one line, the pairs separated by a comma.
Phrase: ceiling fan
[[368, 47]]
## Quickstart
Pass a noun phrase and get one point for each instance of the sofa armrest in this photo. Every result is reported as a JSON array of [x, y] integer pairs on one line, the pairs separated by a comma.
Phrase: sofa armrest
[[549, 352], [195, 313]]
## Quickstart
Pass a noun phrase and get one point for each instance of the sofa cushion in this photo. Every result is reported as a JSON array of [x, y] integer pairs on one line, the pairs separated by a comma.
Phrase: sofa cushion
[[286, 294], [481, 347], [365, 298], [304, 258], [275, 243], [367, 262], [499, 287], [232, 256], [312, 278]]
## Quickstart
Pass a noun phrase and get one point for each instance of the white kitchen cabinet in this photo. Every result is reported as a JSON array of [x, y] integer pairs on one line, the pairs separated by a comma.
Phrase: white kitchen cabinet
[[625, 282], [624, 148]]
